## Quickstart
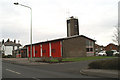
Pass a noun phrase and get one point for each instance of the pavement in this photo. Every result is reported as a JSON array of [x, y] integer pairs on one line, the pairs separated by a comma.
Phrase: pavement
[[83, 70], [22, 61], [101, 73]]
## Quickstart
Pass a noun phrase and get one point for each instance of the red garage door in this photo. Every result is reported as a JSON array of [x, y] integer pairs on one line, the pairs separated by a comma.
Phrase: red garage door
[[29, 47], [56, 49], [45, 50], [37, 51]]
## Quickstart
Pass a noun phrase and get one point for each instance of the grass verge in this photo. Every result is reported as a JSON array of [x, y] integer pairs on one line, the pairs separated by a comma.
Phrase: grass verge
[[82, 58]]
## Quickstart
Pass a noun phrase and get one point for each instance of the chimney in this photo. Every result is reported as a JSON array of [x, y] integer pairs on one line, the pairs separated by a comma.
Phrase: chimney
[[14, 41], [8, 40], [18, 41], [3, 41]]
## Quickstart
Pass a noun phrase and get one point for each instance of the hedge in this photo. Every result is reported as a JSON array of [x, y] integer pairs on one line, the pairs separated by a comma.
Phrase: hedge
[[106, 64]]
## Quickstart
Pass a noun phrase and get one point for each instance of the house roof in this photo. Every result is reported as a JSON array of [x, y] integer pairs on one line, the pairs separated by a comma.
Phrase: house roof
[[111, 44], [10, 43], [63, 39]]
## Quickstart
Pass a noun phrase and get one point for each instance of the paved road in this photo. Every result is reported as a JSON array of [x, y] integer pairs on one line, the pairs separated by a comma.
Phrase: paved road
[[67, 70]]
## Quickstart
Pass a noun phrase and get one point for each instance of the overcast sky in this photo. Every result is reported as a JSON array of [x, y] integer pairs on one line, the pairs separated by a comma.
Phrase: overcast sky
[[97, 19]]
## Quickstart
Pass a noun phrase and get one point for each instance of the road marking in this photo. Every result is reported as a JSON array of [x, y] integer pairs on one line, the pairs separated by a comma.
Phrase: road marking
[[13, 71], [35, 78]]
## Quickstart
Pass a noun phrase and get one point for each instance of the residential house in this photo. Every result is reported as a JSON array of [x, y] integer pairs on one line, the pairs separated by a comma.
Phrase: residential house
[[9, 46], [99, 48], [111, 46], [21, 53]]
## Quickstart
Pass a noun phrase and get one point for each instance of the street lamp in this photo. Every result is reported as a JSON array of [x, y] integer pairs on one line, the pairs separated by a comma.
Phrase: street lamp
[[30, 26]]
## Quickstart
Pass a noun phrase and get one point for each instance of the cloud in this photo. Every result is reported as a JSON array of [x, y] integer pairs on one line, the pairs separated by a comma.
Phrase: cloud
[[96, 19]]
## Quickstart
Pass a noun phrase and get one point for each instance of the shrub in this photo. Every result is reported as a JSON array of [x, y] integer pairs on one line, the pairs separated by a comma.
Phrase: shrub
[[109, 53], [7, 56], [59, 59], [96, 64], [117, 55], [105, 64], [45, 59]]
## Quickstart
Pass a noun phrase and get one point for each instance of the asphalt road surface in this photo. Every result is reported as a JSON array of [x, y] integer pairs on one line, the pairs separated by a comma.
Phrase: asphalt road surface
[[67, 70]]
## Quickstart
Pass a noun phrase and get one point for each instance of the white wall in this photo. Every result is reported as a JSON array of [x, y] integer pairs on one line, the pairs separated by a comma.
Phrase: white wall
[[8, 50], [15, 47], [2, 47]]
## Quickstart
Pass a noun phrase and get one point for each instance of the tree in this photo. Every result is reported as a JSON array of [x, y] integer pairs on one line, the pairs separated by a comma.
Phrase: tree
[[116, 37]]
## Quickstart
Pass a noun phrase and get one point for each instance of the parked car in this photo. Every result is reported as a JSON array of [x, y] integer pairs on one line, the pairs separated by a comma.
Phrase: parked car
[[115, 52], [102, 53]]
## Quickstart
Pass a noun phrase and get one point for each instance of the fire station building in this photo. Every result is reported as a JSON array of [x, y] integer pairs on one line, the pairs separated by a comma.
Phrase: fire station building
[[74, 45]]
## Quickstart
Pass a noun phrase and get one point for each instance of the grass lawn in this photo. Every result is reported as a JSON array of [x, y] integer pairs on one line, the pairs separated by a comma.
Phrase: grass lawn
[[83, 58]]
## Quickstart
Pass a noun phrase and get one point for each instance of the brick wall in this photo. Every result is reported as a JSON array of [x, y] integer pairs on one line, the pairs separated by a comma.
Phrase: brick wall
[[74, 47], [110, 47]]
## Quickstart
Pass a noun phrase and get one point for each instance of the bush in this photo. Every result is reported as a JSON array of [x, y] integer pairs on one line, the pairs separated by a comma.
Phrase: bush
[[8, 56], [45, 59], [105, 64], [59, 59], [117, 55], [96, 64], [109, 53]]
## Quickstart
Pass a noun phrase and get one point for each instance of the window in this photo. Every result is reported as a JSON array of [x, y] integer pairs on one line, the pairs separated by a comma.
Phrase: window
[[87, 42], [91, 49], [110, 47], [90, 43], [69, 29], [87, 49]]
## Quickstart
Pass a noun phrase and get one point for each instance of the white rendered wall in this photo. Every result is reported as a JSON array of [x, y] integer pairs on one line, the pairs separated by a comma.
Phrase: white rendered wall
[[15, 47], [8, 50]]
